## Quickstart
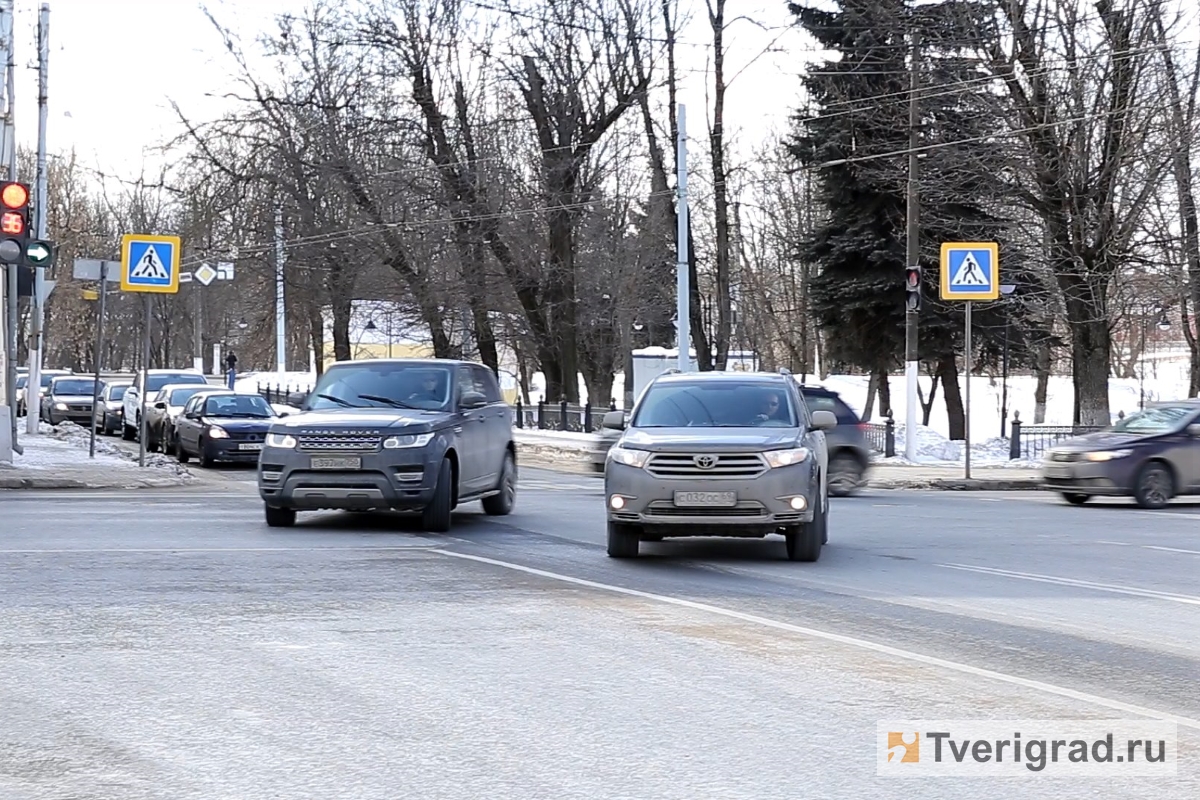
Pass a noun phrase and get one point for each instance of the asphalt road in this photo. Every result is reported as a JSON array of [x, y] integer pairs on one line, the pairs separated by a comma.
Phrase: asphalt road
[[170, 645]]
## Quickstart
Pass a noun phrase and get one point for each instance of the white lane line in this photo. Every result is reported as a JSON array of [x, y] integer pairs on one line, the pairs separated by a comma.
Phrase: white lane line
[[350, 548], [864, 644], [1132, 591], [1171, 549]]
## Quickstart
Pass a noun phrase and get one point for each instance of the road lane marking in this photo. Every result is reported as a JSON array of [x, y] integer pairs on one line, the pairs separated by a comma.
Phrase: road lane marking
[[1132, 591], [1171, 549], [863, 644], [348, 548]]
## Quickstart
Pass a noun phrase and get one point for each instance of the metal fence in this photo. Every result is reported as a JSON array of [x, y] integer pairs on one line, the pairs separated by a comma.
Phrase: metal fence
[[561, 416], [278, 393], [881, 436], [1029, 442]]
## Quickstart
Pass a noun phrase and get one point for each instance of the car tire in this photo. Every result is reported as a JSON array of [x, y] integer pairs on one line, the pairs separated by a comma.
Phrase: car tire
[[180, 454], [206, 461], [804, 541], [279, 517], [845, 475], [499, 505], [436, 516], [1155, 486], [623, 540], [128, 432], [1075, 498]]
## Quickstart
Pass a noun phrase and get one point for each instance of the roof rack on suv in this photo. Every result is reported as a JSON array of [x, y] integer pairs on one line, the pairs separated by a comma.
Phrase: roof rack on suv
[[672, 371], [784, 371]]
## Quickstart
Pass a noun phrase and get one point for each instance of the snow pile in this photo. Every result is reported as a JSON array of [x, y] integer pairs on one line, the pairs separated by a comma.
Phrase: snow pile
[[66, 446], [933, 449]]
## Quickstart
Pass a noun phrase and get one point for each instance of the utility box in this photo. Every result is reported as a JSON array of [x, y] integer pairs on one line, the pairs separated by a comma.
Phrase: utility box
[[650, 362]]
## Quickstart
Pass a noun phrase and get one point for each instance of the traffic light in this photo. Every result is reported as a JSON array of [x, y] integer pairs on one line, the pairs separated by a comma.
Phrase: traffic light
[[912, 288], [14, 222]]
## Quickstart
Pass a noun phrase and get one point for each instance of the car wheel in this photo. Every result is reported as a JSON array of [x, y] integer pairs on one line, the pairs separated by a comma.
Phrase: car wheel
[[498, 505], [1155, 486], [436, 516], [128, 432], [280, 517], [1076, 499], [623, 540], [180, 454], [845, 475], [203, 457], [804, 541]]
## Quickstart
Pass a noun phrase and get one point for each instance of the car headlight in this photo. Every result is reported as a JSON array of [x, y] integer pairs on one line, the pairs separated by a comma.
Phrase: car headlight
[[630, 458], [284, 440], [407, 440], [217, 432], [1106, 455], [785, 458], [61, 406]]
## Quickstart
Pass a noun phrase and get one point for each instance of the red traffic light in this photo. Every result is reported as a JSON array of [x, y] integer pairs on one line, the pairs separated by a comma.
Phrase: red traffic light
[[912, 277], [12, 223], [14, 195]]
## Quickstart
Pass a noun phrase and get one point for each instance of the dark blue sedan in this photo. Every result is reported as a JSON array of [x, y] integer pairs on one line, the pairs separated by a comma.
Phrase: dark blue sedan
[[223, 426]]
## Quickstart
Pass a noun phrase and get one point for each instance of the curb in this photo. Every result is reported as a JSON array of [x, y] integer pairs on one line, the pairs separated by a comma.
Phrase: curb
[[961, 484], [49, 482]]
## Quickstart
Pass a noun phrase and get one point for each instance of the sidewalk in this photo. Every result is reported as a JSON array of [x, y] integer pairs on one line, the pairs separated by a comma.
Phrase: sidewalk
[[572, 452], [58, 459]]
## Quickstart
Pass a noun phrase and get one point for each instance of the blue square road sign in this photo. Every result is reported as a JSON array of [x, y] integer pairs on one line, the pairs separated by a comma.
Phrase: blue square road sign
[[970, 271], [150, 263]]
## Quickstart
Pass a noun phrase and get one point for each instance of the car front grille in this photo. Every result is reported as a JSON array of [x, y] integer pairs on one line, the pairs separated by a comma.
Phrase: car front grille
[[707, 465], [339, 442], [243, 436], [1066, 457], [80, 407], [741, 510]]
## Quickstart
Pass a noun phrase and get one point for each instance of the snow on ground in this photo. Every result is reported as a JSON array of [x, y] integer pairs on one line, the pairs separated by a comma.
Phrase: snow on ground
[[66, 447]]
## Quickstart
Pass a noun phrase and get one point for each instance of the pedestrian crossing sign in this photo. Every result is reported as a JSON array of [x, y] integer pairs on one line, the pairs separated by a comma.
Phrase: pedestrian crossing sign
[[970, 271], [150, 263]]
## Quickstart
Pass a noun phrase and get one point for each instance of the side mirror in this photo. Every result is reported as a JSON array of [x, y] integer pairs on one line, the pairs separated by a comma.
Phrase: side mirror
[[161, 406], [1194, 430], [296, 398], [824, 420], [471, 400], [614, 420]]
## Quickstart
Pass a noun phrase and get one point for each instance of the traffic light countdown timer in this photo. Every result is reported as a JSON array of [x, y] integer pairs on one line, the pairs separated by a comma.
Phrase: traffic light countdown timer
[[16, 246]]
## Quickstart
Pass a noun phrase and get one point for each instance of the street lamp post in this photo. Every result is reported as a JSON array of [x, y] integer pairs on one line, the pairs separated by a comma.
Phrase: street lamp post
[[1163, 324], [1005, 289]]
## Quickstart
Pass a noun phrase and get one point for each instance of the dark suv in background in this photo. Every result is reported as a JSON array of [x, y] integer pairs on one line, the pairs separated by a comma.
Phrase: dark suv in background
[[849, 451]]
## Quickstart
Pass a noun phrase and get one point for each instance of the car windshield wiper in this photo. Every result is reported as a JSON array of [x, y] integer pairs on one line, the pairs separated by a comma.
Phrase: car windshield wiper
[[388, 400], [340, 401], [247, 415]]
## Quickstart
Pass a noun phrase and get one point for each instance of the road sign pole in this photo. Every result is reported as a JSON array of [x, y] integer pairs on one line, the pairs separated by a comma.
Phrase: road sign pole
[[967, 411], [145, 379], [911, 319], [98, 359], [37, 310]]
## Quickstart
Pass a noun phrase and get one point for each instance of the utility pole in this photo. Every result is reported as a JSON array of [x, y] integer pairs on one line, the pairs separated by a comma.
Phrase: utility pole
[[913, 241], [41, 211], [280, 315], [683, 290], [8, 308]]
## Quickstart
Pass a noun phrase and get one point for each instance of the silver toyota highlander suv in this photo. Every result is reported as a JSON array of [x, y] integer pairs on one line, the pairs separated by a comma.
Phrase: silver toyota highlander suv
[[719, 454]]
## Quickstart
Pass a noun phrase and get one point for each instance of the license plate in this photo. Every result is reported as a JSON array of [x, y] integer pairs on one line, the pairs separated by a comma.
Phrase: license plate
[[336, 463], [707, 499], [250, 446], [1058, 472]]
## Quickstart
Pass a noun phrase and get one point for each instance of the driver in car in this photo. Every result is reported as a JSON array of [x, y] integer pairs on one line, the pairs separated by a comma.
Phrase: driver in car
[[770, 408], [427, 390]]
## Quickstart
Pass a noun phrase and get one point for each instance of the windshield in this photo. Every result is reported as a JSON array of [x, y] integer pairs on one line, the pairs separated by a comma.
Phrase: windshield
[[117, 392], [76, 386], [156, 382], [21, 381], [180, 396], [382, 385], [715, 404], [1154, 420], [46, 379], [250, 406]]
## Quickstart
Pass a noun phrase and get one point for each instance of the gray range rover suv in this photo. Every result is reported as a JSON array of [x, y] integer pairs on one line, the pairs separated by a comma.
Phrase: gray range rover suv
[[719, 454], [421, 435]]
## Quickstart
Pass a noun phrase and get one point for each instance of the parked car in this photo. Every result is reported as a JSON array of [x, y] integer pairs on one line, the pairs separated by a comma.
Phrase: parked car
[[221, 425], [109, 411], [1152, 456], [155, 379], [23, 393], [849, 451], [425, 435], [719, 454], [164, 410], [69, 398]]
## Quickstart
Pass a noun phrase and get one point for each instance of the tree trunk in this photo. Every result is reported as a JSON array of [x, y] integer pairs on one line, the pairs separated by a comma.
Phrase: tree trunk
[[927, 404], [869, 405], [885, 392], [716, 140], [1090, 368], [1043, 365], [947, 370], [340, 308], [316, 335]]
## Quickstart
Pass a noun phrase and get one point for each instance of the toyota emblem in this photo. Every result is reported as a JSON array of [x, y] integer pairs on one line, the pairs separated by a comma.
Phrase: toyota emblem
[[705, 462]]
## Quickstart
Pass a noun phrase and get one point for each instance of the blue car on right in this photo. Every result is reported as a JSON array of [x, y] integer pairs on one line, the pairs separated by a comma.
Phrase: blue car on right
[[1151, 456]]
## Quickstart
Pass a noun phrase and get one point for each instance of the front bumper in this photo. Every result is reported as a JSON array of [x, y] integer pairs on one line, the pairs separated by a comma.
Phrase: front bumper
[[1105, 478], [763, 503], [404, 480], [231, 450], [77, 415]]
